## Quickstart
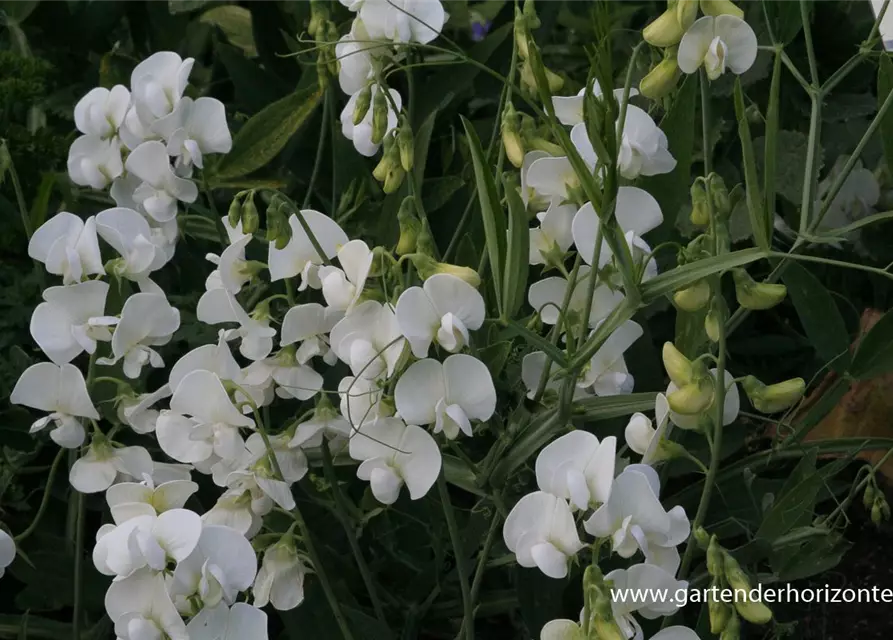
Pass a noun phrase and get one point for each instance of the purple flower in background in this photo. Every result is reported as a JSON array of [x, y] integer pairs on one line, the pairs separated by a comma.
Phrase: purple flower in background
[[480, 26]]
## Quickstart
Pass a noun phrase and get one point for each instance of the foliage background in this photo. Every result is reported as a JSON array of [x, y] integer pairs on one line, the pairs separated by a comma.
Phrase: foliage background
[[251, 55]]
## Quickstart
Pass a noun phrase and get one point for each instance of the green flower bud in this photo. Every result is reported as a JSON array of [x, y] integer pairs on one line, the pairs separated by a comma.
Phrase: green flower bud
[[775, 397], [250, 218], [528, 79], [234, 215], [753, 295], [732, 630], [721, 7], [678, 367], [665, 31], [720, 614], [693, 298], [539, 144], [379, 115], [701, 537], [607, 629], [662, 79], [876, 515], [686, 12], [322, 70], [712, 324], [753, 611], [390, 157], [868, 496], [394, 179], [511, 136], [410, 226], [735, 576], [693, 398], [406, 145], [720, 196], [715, 561], [428, 266], [885, 507], [361, 106], [700, 212], [278, 229]]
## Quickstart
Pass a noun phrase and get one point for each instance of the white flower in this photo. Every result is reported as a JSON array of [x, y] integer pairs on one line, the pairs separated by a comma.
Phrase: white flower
[[529, 195], [216, 358], [7, 551], [569, 109], [532, 367], [280, 580], [147, 320], [325, 422], [636, 211], [719, 43], [550, 177], [68, 246], [146, 541], [195, 128], [128, 233], [223, 623], [561, 629], [634, 519], [219, 305], [355, 52], [448, 395], [293, 380], [577, 467], [642, 437], [648, 581], [221, 565], [161, 187], [97, 469], [343, 287], [394, 453], [158, 83], [361, 400], [134, 131], [94, 161], [212, 429], [141, 608], [606, 373], [292, 461], [541, 532], [240, 509], [128, 500], [361, 134], [730, 407], [369, 340], [61, 391], [232, 270], [547, 296], [71, 320], [442, 310], [403, 20], [300, 257], [101, 112], [308, 325], [643, 146], [554, 235]]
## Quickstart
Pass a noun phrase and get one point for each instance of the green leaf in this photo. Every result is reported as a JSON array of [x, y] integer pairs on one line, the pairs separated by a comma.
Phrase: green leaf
[[755, 206], [791, 146], [819, 315], [795, 499], [517, 253], [235, 22], [264, 135], [690, 333], [535, 340], [874, 356], [679, 277], [884, 86], [606, 407], [461, 475], [491, 210], [437, 192], [41, 203]]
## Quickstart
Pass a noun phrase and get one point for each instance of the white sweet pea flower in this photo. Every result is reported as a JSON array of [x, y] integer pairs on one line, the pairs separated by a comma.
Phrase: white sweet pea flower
[[141, 608], [7, 551], [240, 509], [161, 187], [547, 296], [551, 177], [71, 321], [448, 395], [569, 109], [94, 161], [643, 438], [68, 246], [648, 581], [219, 305], [146, 541], [61, 391], [292, 379], [308, 324], [212, 430], [195, 128], [577, 467], [529, 195], [326, 422], [157, 84], [634, 519], [442, 310], [394, 453], [224, 623], [216, 358], [135, 131], [147, 320], [343, 287], [355, 52], [554, 236], [403, 20], [606, 373], [719, 43], [532, 367], [101, 112], [232, 270], [221, 565], [636, 211], [300, 257], [265, 490], [361, 134], [676, 632], [291, 460], [541, 532], [280, 580], [643, 146], [361, 400], [730, 407], [97, 469], [128, 500], [169, 472], [369, 340], [128, 233]]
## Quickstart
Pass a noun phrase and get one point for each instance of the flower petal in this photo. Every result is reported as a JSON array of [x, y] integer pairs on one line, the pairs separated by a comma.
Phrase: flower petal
[[419, 389], [469, 384], [694, 44]]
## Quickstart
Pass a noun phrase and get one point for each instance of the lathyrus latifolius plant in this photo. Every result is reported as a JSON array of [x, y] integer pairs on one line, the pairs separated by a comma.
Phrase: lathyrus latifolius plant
[[402, 362]]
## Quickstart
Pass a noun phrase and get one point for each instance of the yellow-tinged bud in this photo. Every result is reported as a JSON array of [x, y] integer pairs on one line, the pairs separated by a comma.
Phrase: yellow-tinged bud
[[693, 398], [234, 215], [406, 146], [428, 266], [756, 295], [394, 179], [774, 397], [410, 226], [732, 630], [753, 611], [521, 29], [714, 557], [528, 79], [665, 31], [712, 324], [361, 106], [720, 196], [607, 629], [390, 157], [701, 537], [661, 80], [735, 576], [720, 614], [250, 218], [379, 115], [686, 12], [677, 365], [700, 211], [721, 7], [511, 136], [694, 297]]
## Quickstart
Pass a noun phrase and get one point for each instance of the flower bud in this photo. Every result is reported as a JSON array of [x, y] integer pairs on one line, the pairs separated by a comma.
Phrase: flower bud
[[250, 218], [665, 31], [775, 397], [876, 516], [607, 629], [322, 70], [701, 537], [700, 212], [753, 295], [278, 229], [693, 398], [390, 157], [234, 215], [720, 196], [885, 507], [720, 613], [753, 611], [410, 226], [678, 367], [394, 179], [511, 136], [868, 496], [712, 325], [721, 7], [379, 115], [694, 297], [686, 12], [361, 106], [528, 79], [406, 145], [427, 267], [732, 630], [521, 29], [714, 557], [661, 80]]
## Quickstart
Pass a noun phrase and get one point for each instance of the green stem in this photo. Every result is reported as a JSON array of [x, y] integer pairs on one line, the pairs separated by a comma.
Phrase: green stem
[[810, 50], [78, 566], [461, 569], [811, 169], [19, 539], [320, 148], [859, 487], [482, 559]]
